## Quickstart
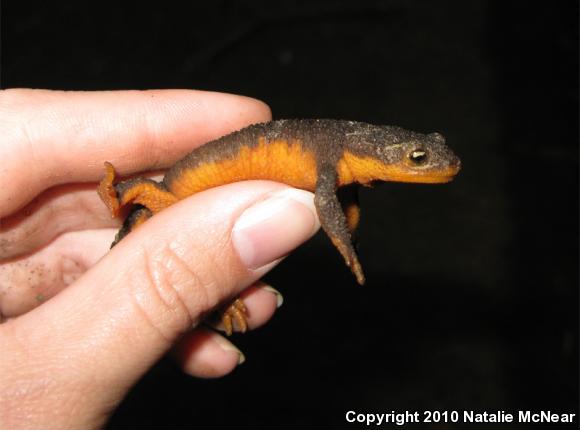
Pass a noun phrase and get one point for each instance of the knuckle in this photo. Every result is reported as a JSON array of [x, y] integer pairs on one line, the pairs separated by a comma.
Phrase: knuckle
[[172, 294]]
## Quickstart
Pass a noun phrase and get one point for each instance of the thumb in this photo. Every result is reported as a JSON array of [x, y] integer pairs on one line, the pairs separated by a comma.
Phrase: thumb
[[79, 353]]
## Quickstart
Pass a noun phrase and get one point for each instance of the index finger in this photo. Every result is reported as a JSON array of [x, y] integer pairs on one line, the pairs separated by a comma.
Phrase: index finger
[[54, 137]]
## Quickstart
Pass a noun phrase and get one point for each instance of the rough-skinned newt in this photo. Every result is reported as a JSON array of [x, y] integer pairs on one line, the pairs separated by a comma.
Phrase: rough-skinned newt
[[315, 155]]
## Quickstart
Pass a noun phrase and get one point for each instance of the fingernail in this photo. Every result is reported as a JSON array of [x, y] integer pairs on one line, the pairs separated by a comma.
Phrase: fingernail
[[278, 294], [273, 227], [227, 346]]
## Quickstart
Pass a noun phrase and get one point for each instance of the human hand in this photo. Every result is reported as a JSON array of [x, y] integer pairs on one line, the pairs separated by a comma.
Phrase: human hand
[[81, 324]]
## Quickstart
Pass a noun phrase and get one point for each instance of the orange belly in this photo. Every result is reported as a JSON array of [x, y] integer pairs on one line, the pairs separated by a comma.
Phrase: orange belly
[[280, 160]]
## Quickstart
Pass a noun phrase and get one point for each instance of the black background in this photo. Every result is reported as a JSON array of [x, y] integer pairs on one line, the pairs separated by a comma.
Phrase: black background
[[472, 294]]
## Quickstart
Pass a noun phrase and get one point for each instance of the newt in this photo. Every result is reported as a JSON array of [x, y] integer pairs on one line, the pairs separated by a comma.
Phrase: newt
[[317, 155]]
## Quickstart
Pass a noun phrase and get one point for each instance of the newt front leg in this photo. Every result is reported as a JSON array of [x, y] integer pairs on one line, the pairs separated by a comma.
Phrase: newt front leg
[[333, 219]]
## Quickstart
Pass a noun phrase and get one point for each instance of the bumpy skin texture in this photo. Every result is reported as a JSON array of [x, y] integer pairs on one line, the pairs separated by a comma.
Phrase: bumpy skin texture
[[315, 155]]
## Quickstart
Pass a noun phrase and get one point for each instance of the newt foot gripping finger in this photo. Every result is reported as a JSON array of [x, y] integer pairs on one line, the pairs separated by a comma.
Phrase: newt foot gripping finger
[[235, 314]]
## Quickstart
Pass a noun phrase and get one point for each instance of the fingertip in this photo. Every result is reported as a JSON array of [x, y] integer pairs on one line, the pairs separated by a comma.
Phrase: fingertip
[[226, 112], [277, 294], [206, 354], [262, 300], [260, 109], [289, 215]]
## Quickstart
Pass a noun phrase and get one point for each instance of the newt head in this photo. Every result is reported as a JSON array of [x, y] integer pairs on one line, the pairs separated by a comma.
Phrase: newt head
[[385, 153]]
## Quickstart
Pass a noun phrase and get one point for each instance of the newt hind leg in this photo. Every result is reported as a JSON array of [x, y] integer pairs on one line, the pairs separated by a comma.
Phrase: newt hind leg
[[334, 221], [107, 191], [142, 191], [138, 216], [147, 196]]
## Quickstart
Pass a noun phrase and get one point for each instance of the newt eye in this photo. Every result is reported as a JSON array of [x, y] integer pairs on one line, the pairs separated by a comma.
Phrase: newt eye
[[418, 156]]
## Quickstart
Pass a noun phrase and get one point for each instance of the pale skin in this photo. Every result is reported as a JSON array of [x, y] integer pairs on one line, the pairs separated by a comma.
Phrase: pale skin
[[81, 324]]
